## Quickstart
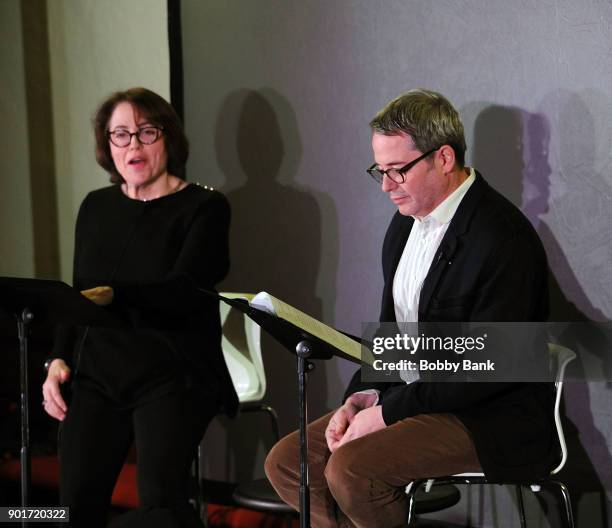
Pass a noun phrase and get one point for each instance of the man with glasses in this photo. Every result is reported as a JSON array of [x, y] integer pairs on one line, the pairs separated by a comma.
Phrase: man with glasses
[[456, 250]]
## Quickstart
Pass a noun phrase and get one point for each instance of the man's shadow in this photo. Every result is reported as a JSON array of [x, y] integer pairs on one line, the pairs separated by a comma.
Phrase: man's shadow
[[277, 240], [584, 211], [511, 150]]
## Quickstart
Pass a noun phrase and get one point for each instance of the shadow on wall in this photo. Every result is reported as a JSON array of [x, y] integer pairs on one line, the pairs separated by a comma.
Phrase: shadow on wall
[[276, 236], [511, 149]]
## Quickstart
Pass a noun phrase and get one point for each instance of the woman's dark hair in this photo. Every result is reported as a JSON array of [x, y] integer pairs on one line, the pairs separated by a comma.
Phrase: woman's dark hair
[[158, 112]]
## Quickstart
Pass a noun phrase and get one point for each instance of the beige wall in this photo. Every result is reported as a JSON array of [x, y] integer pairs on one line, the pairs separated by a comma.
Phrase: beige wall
[[16, 239], [96, 47]]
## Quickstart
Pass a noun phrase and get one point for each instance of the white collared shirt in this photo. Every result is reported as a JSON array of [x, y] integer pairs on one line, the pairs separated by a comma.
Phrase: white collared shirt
[[421, 246], [423, 242]]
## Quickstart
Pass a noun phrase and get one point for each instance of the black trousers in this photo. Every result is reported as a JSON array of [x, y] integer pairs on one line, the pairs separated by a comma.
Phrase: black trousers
[[95, 438]]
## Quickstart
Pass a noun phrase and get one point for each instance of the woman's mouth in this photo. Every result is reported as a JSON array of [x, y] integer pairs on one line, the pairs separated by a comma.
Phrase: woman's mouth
[[136, 162]]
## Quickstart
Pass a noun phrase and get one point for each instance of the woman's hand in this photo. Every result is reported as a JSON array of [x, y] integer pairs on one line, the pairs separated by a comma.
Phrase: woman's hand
[[53, 402], [101, 295]]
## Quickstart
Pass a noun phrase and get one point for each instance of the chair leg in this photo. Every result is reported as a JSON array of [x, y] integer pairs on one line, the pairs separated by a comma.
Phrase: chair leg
[[519, 497], [198, 499], [273, 419], [260, 407], [569, 517], [411, 494]]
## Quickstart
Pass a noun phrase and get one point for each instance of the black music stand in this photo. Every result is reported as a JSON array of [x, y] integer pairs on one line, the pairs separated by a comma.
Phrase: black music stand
[[306, 347], [49, 302]]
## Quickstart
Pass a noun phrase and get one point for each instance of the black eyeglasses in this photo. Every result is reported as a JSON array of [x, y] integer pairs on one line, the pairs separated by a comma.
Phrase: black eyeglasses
[[396, 175], [147, 135]]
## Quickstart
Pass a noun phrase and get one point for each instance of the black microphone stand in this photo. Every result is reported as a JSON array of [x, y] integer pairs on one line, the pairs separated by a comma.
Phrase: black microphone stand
[[53, 302], [306, 347], [23, 328], [304, 351]]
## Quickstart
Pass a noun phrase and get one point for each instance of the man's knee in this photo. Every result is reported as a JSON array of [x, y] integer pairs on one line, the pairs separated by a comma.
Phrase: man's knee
[[343, 471], [283, 459]]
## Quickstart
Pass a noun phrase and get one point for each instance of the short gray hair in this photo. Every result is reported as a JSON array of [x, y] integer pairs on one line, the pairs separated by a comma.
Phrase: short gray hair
[[427, 117]]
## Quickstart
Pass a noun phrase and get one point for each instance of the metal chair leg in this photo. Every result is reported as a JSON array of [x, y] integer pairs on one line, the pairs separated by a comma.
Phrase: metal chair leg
[[569, 517], [411, 496], [273, 419], [261, 407], [198, 492], [519, 497]]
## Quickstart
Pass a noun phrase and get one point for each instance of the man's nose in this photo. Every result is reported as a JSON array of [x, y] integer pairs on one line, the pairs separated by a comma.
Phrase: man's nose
[[387, 184]]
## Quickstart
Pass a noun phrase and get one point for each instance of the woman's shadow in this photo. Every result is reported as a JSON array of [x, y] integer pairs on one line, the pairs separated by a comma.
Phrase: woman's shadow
[[511, 150], [276, 237]]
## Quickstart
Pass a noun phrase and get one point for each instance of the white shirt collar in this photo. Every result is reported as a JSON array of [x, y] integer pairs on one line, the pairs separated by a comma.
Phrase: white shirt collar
[[444, 213]]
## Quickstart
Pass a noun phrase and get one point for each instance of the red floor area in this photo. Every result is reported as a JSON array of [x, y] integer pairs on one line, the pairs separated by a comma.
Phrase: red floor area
[[45, 475]]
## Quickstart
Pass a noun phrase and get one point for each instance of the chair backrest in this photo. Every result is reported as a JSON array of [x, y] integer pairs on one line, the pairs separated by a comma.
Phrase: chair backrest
[[241, 344], [559, 357]]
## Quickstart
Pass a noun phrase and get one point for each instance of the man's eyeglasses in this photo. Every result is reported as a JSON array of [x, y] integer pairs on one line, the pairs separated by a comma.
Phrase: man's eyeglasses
[[396, 175], [147, 135]]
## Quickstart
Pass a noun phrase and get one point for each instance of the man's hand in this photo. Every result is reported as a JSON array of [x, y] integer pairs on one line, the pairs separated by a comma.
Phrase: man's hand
[[337, 426], [344, 416], [365, 422], [101, 295], [53, 402]]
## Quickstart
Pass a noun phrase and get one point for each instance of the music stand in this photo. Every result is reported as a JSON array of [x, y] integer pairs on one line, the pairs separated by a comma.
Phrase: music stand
[[306, 347], [50, 302]]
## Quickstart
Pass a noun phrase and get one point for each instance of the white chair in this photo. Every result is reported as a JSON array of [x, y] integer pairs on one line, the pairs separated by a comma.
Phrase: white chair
[[241, 344], [559, 359]]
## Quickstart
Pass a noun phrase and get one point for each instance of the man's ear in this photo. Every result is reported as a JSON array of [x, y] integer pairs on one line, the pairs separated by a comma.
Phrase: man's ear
[[446, 155]]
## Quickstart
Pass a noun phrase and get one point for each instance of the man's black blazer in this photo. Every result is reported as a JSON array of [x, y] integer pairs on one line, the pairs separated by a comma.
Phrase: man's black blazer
[[490, 266]]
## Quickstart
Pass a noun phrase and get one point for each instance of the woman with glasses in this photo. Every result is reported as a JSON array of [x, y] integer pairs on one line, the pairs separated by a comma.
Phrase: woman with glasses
[[145, 247]]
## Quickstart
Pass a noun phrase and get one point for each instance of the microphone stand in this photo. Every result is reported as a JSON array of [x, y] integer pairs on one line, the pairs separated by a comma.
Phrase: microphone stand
[[23, 328], [304, 351]]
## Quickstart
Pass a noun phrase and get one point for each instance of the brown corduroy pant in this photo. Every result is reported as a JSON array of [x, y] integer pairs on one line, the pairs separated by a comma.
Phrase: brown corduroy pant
[[362, 484]]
